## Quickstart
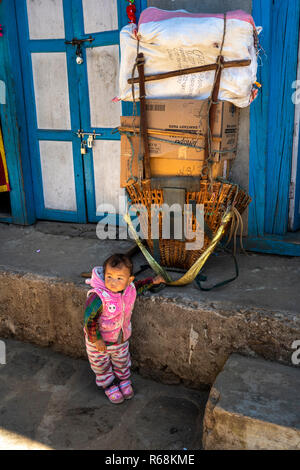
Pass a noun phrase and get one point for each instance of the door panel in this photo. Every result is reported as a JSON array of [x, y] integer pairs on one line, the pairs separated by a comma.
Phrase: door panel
[[51, 96], [103, 75], [106, 156], [58, 186], [100, 17], [98, 77], [45, 19]]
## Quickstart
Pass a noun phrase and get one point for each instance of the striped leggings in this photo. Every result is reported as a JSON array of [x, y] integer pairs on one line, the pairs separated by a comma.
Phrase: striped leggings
[[112, 363]]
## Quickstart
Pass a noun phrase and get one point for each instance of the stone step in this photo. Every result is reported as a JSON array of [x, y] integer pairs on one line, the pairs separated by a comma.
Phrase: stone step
[[254, 405], [180, 334]]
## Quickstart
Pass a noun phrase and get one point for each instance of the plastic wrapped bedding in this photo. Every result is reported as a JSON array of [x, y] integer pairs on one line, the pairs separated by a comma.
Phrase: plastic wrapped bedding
[[172, 40]]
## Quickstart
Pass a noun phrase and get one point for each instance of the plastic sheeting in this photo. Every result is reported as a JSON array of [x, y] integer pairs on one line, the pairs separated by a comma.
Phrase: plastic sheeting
[[173, 40]]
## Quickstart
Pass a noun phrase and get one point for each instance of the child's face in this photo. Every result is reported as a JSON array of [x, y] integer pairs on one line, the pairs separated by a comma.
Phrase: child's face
[[118, 278]]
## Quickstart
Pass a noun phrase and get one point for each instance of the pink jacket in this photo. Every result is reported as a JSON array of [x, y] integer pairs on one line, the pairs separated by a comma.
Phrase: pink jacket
[[117, 307]]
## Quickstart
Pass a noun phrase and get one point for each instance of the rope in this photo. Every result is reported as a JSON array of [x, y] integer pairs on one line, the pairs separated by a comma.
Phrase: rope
[[129, 136], [236, 223], [188, 145], [134, 115], [131, 177], [134, 107], [176, 143]]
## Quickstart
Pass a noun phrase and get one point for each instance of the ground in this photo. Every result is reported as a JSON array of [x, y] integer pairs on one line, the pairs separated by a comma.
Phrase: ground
[[51, 401], [182, 338]]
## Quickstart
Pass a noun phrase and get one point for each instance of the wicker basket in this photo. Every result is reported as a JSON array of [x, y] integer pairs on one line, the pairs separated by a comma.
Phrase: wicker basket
[[215, 197]]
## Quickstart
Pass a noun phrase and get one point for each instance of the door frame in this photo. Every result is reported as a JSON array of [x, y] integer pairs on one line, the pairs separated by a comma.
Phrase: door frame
[[13, 120]]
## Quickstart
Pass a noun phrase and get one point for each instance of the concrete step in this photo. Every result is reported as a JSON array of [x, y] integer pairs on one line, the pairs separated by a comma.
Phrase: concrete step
[[254, 405], [50, 401], [180, 334]]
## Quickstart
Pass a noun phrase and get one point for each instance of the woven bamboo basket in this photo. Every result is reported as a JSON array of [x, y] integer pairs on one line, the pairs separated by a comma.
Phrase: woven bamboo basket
[[216, 198]]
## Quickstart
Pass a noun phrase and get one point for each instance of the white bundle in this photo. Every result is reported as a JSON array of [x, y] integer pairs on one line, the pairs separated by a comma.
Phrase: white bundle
[[173, 40]]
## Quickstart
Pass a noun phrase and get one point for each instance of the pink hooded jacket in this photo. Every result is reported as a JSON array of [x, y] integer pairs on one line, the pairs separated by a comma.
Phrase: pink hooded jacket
[[117, 307]]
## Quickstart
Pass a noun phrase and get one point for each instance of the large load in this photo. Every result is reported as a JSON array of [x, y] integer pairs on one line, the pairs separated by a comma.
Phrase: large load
[[175, 40], [189, 72]]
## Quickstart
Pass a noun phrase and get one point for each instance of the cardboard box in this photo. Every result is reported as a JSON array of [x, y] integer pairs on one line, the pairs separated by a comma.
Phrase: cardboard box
[[191, 115], [182, 116], [166, 166]]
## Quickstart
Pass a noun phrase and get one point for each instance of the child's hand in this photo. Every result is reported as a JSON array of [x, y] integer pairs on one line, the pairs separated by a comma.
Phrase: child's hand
[[158, 280], [100, 345]]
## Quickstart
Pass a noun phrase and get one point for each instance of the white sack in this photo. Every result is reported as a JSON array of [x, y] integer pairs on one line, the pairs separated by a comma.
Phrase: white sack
[[187, 41]]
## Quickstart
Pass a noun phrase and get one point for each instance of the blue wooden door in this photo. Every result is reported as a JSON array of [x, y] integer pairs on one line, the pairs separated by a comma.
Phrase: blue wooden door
[[272, 126], [64, 96], [283, 72]]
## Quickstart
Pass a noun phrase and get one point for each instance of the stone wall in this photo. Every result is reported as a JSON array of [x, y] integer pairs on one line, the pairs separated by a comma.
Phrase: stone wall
[[173, 339]]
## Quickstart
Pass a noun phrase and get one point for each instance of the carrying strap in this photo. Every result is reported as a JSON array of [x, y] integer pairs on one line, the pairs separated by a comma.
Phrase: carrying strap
[[157, 287], [201, 278], [191, 274]]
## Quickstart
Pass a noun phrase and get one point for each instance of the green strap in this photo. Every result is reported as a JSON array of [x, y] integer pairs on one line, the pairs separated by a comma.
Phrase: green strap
[[159, 270]]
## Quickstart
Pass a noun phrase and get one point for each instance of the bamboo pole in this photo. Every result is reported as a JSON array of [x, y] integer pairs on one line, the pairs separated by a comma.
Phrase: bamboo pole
[[143, 117], [202, 68]]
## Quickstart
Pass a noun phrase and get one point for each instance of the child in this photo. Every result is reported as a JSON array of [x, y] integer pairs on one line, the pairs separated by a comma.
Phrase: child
[[107, 325]]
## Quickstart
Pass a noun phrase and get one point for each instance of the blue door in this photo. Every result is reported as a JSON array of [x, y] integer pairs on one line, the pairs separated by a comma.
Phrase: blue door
[[70, 63], [272, 124]]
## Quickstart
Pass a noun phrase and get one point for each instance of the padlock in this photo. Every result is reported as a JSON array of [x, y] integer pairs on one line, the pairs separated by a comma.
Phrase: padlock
[[90, 141], [83, 150]]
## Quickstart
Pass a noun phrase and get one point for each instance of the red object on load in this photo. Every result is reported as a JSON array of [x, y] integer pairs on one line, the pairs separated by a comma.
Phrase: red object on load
[[130, 10], [1, 31]]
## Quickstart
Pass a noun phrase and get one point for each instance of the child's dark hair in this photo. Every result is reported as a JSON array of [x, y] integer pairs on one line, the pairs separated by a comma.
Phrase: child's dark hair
[[118, 259]]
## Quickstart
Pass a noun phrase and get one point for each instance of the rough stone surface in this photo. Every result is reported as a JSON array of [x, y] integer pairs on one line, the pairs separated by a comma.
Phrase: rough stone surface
[[253, 405], [179, 334], [51, 401]]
